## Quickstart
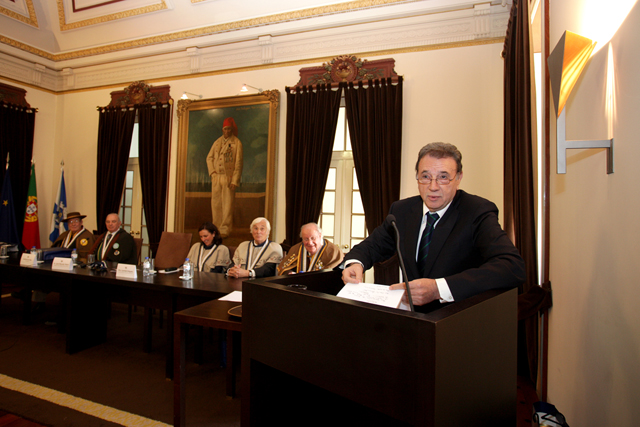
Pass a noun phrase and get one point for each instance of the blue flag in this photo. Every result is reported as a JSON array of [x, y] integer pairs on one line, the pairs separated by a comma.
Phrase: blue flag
[[59, 211], [8, 228]]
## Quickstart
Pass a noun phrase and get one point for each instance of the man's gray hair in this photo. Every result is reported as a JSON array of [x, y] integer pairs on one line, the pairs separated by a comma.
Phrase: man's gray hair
[[316, 226], [260, 219], [439, 150], [113, 213]]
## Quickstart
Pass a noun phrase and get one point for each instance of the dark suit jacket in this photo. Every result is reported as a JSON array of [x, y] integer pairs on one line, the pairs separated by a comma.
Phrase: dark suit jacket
[[122, 248], [468, 247]]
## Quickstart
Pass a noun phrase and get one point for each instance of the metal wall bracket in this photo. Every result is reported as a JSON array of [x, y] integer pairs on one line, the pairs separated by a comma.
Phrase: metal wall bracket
[[563, 145]]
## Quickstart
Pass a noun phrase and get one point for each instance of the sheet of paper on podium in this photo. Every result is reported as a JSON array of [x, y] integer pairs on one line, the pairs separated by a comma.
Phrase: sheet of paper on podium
[[235, 296], [373, 294]]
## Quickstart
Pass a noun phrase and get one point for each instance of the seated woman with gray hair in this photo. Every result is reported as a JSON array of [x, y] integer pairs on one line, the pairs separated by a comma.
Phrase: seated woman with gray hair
[[258, 257]]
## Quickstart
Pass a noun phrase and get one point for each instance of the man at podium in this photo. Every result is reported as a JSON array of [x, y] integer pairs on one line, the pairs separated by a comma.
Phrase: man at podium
[[451, 241]]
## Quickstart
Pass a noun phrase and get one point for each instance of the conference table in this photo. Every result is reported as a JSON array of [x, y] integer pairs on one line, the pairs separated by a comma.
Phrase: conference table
[[86, 295]]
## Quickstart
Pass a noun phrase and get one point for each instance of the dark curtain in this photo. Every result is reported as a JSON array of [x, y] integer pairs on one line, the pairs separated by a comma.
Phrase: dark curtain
[[17, 125], [115, 129], [312, 117], [154, 132], [519, 180], [374, 115]]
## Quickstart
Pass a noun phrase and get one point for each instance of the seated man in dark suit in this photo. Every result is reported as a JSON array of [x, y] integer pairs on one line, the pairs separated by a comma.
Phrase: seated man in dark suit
[[451, 242], [116, 244]]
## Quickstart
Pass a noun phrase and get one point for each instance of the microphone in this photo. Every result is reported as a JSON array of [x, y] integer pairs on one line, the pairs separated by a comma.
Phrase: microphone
[[392, 219]]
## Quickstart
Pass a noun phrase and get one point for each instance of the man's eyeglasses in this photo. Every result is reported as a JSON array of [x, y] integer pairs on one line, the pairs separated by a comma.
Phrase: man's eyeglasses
[[440, 179]]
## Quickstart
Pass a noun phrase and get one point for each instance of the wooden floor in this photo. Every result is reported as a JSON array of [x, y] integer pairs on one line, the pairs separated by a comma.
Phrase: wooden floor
[[526, 398]]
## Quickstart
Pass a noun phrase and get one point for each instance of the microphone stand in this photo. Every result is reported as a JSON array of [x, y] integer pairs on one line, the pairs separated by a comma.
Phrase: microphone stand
[[404, 271]]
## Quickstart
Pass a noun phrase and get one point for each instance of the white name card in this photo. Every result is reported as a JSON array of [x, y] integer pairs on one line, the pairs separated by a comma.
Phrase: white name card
[[62, 264], [126, 270], [29, 260]]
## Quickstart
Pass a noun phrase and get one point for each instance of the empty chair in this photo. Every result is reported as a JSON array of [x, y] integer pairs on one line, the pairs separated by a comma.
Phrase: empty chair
[[172, 250]]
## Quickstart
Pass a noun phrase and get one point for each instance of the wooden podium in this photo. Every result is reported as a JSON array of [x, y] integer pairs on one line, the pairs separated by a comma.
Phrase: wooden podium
[[310, 358]]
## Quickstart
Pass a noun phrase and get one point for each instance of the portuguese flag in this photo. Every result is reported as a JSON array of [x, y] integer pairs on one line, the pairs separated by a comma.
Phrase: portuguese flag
[[31, 230]]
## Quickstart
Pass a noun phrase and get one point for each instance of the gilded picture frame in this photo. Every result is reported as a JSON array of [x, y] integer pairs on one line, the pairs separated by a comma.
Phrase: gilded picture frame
[[199, 126]]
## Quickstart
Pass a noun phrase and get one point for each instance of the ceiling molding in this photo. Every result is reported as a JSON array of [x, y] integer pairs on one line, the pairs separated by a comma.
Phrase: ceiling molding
[[310, 13], [67, 24], [411, 34], [25, 14], [26, 48]]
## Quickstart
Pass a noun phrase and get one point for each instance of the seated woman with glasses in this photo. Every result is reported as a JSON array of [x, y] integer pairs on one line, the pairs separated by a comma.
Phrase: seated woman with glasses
[[258, 257], [210, 254]]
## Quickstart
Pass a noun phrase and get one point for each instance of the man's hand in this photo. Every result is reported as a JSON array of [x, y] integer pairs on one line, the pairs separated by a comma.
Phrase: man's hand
[[238, 272], [232, 186], [423, 291], [352, 273]]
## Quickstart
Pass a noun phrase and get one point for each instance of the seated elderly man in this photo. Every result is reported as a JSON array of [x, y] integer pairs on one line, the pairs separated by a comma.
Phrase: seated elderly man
[[258, 257], [77, 237], [313, 253], [116, 244]]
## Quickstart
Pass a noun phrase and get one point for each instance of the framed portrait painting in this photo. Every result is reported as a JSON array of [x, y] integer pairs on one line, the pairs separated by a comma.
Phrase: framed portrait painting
[[226, 163]]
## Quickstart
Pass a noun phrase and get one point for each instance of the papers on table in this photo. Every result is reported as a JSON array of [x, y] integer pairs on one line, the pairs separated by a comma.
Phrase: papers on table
[[373, 294], [235, 296]]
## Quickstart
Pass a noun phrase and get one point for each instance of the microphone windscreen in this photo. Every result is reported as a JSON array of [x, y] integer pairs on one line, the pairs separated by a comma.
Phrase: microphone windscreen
[[391, 218]]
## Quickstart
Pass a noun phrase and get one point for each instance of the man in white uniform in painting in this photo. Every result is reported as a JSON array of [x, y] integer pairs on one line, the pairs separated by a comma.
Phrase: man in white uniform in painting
[[224, 163]]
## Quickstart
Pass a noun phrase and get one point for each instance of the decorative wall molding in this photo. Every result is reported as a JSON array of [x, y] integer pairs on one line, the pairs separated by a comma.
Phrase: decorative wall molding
[[486, 24], [140, 93], [13, 95], [347, 68], [194, 53]]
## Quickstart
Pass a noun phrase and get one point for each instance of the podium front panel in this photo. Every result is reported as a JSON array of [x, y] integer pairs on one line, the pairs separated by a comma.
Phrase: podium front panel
[[314, 355]]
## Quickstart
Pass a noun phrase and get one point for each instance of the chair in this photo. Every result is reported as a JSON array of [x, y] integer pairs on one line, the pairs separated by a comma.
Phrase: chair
[[232, 251], [138, 241], [172, 250]]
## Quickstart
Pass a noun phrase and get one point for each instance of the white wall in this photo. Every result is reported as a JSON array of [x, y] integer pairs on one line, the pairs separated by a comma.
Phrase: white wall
[[594, 336], [452, 95]]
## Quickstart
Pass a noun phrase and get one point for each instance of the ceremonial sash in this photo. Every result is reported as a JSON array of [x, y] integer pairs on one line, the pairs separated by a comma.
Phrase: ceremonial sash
[[202, 253], [250, 263], [67, 243]]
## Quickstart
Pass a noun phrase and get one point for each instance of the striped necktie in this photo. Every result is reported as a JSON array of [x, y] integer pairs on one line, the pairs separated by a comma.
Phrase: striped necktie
[[425, 240]]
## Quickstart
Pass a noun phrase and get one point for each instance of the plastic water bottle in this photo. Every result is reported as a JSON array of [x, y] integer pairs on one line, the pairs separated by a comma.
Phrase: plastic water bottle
[[146, 267], [34, 251], [74, 256], [186, 269]]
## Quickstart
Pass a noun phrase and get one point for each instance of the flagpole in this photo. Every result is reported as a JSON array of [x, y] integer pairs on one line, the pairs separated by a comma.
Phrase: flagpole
[[59, 209]]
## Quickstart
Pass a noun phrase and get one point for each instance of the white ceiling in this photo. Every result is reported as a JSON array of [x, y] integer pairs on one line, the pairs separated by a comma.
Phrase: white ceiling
[[63, 35]]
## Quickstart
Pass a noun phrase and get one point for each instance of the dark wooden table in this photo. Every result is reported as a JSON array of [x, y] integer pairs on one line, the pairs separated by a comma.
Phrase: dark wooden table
[[86, 296], [213, 314]]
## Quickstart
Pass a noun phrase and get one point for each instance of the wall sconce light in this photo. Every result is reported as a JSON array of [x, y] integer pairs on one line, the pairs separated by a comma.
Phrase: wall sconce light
[[184, 95], [245, 86], [566, 63]]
